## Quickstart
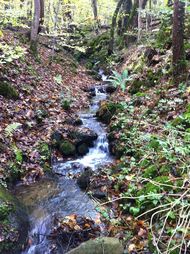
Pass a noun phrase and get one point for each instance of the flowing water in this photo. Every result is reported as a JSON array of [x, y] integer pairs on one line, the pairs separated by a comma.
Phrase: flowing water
[[60, 196]]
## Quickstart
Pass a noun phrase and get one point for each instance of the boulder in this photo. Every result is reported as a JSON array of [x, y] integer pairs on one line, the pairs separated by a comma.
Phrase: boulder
[[84, 179], [83, 136], [82, 149], [106, 245], [67, 148], [8, 91], [14, 224], [106, 111]]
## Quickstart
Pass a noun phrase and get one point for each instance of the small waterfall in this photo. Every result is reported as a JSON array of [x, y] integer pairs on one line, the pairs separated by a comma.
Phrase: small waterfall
[[63, 197]]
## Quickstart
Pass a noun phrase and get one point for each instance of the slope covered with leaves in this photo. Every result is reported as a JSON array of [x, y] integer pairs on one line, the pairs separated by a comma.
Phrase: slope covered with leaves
[[41, 93]]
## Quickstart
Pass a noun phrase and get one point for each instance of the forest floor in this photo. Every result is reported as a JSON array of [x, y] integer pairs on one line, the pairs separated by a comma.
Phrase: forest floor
[[43, 85]]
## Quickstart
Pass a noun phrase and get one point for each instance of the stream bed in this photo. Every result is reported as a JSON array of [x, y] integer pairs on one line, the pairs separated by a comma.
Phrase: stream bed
[[53, 197]]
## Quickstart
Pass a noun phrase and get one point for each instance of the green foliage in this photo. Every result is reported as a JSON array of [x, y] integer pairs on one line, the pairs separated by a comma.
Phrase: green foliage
[[18, 154], [8, 91], [9, 130], [10, 53], [120, 80], [66, 104], [5, 209], [58, 79]]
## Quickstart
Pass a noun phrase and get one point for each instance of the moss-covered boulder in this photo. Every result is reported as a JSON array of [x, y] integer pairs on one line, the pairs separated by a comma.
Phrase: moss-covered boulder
[[106, 111], [67, 148], [8, 91], [14, 224]]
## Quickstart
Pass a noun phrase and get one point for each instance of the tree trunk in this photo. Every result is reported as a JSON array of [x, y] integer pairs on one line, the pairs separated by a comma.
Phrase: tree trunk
[[114, 21], [140, 20], [35, 27], [95, 11], [178, 40], [124, 16], [42, 10]]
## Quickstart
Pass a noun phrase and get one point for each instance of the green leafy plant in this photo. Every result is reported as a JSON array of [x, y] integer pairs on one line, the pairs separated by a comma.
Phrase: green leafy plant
[[58, 79], [120, 80], [10, 53], [9, 130]]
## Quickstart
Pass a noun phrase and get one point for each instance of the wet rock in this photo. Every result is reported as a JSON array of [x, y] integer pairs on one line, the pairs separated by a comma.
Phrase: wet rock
[[14, 224], [75, 121], [106, 245], [82, 149], [56, 138], [110, 89], [99, 194], [84, 179], [92, 94], [8, 91], [83, 136], [67, 148]]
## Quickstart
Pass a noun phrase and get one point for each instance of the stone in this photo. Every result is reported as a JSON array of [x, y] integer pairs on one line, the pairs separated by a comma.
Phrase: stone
[[67, 148], [8, 91], [82, 149], [84, 179], [83, 136], [106, 245], [14, 217], [110, 89], [106, 111]]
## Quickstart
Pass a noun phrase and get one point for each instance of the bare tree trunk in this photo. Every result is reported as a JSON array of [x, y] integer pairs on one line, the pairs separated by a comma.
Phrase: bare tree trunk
[[178, 40], [35, 27], [124, 16], [95, 11], [140, 20], [42, 10], [114, 21]]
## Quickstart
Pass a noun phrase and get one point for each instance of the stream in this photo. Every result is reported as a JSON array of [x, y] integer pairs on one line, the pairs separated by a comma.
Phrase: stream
[[53, 197]]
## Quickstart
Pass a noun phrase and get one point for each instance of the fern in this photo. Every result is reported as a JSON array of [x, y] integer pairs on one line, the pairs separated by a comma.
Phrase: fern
[[120, 80], [9, 130]]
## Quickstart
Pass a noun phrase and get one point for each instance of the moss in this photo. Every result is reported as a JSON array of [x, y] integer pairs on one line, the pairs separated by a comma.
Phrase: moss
[[8, 91], [136, 86], [150, 172], [14, 223], [106, 111], [66, 104], [67, 148]]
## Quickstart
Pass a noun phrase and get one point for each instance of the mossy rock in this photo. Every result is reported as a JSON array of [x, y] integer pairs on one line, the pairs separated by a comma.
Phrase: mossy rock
[[106, 111], [8, 91], [14, 223], [67, 148]]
